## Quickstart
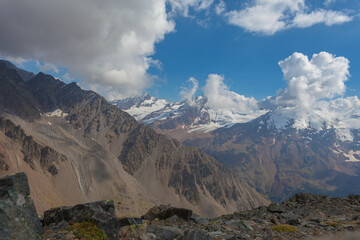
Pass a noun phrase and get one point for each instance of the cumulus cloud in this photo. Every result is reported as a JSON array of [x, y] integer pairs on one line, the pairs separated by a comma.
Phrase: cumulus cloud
[[314, 95], [188, 94], [329, 18], [183, 6], [107, 43], [220, 7], [220, 97], [322, 77], [269, 16]]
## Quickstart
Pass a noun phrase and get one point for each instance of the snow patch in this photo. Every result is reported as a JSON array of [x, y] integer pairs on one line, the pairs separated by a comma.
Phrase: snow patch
[[351, 156], [57, 113]]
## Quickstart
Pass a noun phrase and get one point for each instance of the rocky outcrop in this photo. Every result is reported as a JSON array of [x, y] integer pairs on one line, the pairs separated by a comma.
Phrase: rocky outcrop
[[303, 216], [101, 214], [46, 156], [3, 165], [18, 217]]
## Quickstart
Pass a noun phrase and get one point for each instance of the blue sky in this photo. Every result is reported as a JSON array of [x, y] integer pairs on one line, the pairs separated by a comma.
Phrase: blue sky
[[193, 41], [249, 61]]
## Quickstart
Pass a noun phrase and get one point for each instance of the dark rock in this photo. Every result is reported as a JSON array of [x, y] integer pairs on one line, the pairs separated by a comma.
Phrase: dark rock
[[306, 198], [239, 225], [199, 219], [173, 219], [354, 197], [53, 170], [166, 232], [129, 221], [101, 213], [193, 234], [3, 165], [18, 217], [294, 222], [274, 220], [154, 211], [276, 208], [164, 212]]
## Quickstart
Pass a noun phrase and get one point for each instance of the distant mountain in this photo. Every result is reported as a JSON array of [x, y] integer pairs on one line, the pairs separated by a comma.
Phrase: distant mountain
[[192, 116], [75, 147], [280, 149]]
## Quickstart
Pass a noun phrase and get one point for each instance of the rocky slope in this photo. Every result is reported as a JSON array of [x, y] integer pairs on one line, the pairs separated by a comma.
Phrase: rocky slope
[[303, 216], [76, 147]]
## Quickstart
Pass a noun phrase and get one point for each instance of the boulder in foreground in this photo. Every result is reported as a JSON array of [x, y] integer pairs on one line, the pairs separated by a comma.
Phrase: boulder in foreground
[[18, 217]]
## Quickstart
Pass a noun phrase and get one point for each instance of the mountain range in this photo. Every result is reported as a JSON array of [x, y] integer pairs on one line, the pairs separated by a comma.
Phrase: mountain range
[[280, 149], [76, 147]]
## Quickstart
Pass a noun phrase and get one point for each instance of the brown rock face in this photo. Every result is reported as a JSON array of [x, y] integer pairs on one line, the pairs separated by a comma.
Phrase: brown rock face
[[98, 142], [32, 151]]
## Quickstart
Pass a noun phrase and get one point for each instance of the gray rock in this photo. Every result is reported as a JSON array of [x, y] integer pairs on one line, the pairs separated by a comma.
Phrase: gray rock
[[276, 208], [245, 225], [216, 235], [274, 220], [294, 222], [193, 234], [239, 225], [173, 219], [102, 213], [18, 217], [166, 232], [200, 220]]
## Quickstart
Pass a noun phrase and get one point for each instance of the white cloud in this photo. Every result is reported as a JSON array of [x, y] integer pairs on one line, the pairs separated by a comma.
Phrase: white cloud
[[329, 18], [44, 67], [270, 16], [183, 6], [313, 97], [328, 2], [106, 44], [322, 77], [189, 93], [220, 97], [220, 7]]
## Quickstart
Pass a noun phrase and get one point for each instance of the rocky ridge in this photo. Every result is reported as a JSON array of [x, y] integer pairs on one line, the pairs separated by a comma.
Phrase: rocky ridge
[[45, 156], [303, 216], [109, 154]]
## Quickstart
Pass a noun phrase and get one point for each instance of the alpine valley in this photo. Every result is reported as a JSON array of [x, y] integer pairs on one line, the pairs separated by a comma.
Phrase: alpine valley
[[280, 149], [76, 147]]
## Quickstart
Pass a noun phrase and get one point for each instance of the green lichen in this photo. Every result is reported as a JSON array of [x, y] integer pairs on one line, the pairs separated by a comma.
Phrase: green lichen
[[284, 228], [87, 231]]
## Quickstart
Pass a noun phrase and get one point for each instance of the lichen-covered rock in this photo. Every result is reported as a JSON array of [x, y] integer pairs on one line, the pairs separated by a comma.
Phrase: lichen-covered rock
[[101, 213], [18, 217]]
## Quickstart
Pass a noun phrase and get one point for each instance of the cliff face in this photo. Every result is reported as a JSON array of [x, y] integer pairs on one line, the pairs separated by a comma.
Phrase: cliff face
[[80, 139], [46, 157]]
